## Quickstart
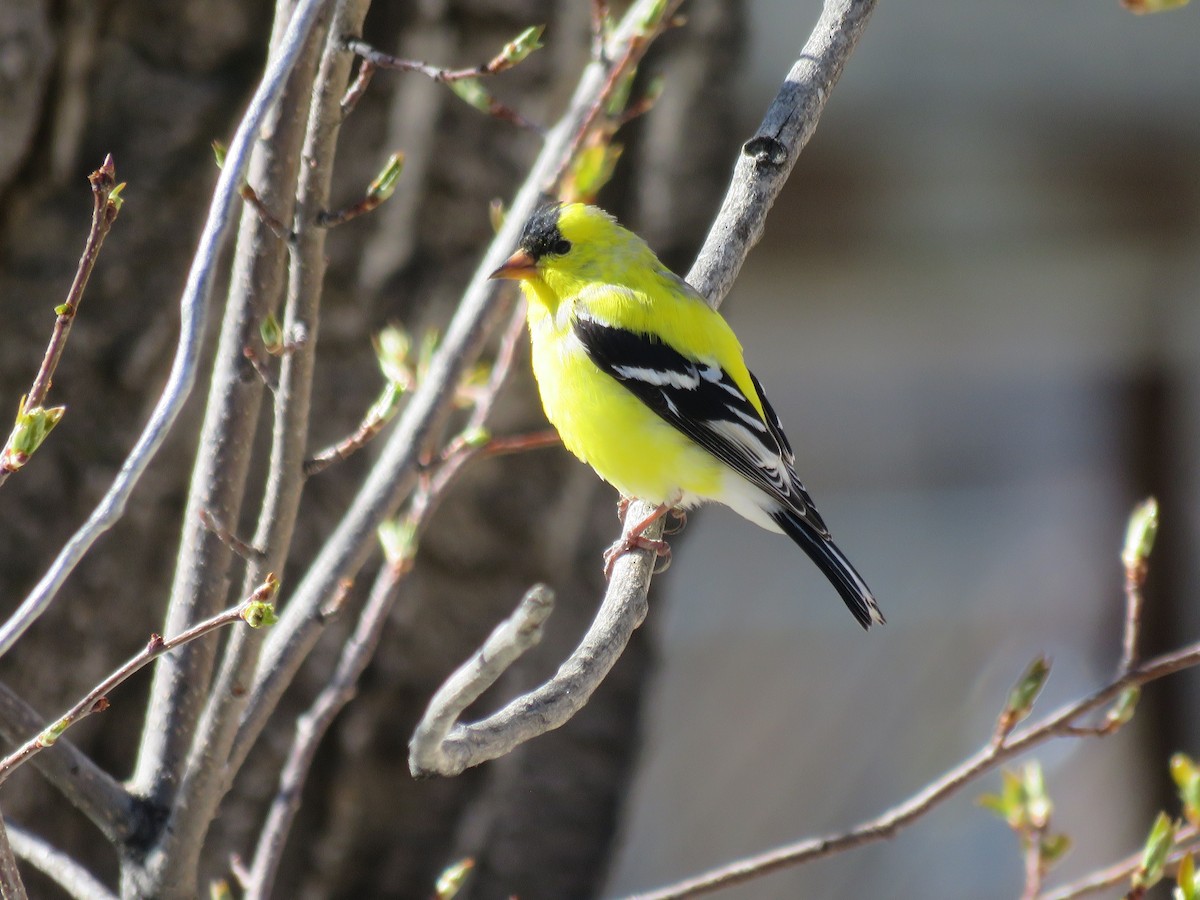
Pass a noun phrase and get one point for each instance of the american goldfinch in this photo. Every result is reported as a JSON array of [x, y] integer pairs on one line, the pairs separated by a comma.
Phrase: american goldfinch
[[646, 383]]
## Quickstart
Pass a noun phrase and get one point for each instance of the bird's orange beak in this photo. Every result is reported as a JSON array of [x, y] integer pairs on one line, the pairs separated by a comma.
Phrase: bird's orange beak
[[518, 267]]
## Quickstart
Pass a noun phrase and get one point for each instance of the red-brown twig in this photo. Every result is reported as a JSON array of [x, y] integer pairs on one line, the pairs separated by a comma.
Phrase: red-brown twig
[[269, 218], [358, 87], [96, 700], [106, 204], [479, 98]]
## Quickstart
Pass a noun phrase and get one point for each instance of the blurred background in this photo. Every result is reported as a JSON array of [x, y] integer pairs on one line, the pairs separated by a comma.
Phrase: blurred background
[[977, 311]]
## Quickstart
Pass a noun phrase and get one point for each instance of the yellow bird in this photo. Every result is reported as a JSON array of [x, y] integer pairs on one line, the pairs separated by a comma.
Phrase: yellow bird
[[645, 382]]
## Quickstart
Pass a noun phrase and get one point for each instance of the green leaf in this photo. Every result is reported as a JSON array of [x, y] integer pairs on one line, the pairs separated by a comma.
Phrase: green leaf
[[392, 347], [219, 150], [1140, 533], [592, 170], [472, 92]]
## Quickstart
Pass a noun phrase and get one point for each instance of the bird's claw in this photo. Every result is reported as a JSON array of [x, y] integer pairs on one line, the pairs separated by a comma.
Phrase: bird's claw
[[680, 520]]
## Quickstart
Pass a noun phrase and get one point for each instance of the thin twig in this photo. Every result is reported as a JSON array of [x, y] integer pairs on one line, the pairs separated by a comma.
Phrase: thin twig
[[105, 207], [1035, 867], [96, 700], [61, 868], [1135, 578], [193, 312], [11, 885], [480, 98], [358, 87], [281, 231], [1057, 724]]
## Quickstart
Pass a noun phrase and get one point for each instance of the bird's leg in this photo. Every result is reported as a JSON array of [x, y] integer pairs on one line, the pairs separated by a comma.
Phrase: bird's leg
[[632, 538]]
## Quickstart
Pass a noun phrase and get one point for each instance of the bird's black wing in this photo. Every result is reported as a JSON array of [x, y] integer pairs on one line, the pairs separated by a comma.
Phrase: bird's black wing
[[702, 401]]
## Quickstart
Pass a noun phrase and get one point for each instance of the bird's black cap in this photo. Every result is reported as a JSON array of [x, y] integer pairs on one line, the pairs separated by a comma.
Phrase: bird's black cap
[[542, 235]]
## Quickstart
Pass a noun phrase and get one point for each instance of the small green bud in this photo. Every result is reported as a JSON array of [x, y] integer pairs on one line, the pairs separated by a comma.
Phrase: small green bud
[[1140, 533], [522, 45], [31, 427], [385, 182], [452, 879], [1186, 886], [219, 151], [116, 197], [271, 333], [1154, 853], [398, 539], [496, 214], [476, 437], [1122, 711]]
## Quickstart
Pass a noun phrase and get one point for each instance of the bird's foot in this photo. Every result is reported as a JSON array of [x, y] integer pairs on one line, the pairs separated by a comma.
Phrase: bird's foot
[[633, 538], [636, 542]]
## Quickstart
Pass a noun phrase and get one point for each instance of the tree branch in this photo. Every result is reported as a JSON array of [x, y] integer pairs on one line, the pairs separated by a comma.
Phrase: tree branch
[[11, 885], [60, 867], [767, 160], [193, 312]]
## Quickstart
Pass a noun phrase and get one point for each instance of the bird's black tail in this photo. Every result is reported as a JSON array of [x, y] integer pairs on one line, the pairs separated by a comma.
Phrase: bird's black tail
[[829, 559]]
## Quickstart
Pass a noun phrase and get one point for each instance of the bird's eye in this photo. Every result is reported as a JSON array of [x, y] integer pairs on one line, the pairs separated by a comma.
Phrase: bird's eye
[[561, 246]]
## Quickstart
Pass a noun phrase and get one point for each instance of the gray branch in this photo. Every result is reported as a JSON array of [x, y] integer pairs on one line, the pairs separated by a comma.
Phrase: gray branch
[[60, 867], [440, 745]]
